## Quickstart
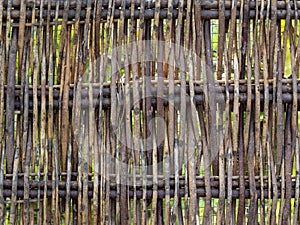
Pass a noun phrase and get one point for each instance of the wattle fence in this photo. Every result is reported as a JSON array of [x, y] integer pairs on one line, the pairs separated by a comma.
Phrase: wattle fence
[[149, 112]]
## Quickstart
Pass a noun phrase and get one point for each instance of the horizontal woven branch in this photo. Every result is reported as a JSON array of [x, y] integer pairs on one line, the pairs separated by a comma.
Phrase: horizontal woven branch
[[285, 95], [209, 10], [33, 194], [148, 14], [205, 4], [36, 188]]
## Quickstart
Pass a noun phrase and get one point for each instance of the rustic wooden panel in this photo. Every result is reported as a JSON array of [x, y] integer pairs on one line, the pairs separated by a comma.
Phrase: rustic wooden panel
[[149, 112]]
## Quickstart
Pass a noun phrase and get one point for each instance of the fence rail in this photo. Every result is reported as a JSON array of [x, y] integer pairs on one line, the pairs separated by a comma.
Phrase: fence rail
[[209, 9]]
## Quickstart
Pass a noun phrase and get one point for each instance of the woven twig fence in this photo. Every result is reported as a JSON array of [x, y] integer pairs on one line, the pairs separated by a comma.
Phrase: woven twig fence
[[149, 112]]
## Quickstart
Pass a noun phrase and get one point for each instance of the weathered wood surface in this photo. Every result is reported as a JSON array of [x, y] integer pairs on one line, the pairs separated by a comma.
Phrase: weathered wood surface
[[149, 112], [209, 9]]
